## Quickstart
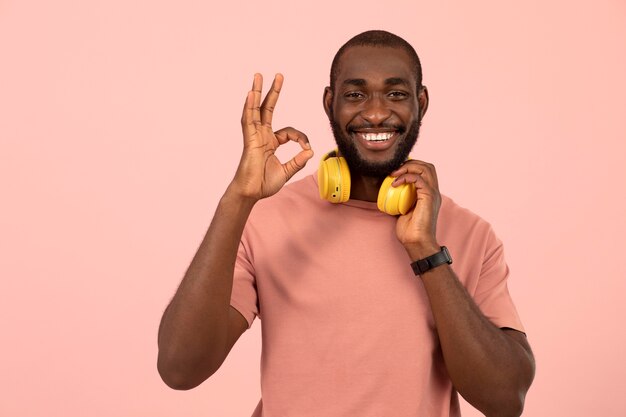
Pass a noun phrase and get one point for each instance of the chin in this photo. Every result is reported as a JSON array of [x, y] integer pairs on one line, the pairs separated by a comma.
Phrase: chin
[[361, 165]]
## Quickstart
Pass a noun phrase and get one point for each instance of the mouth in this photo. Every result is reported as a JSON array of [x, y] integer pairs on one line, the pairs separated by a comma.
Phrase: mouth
[[376, 140], [377, 137]]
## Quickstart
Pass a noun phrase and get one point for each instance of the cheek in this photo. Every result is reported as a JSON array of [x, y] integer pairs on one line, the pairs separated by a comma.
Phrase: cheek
[[343, 117], [348, 112], [408, 113]]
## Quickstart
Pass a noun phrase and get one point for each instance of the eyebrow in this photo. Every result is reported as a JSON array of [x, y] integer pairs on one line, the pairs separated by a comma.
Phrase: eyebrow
[[360, 82], [397, 81]]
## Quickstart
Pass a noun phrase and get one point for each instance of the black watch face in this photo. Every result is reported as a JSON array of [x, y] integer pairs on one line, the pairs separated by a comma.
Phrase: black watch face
[[448, 257]]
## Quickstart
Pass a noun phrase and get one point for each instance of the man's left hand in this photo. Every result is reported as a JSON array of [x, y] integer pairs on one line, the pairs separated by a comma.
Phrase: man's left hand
[[416, 230]]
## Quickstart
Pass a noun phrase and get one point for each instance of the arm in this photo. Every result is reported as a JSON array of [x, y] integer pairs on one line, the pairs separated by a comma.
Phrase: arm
[[491, 368], [199, 327]]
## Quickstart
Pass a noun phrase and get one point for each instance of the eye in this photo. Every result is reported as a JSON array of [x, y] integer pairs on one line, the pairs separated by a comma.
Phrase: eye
[[354, 95], [398, 95]]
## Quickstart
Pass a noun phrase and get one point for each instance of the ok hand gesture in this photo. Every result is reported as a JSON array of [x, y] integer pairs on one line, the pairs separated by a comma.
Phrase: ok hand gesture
[[260, 174]]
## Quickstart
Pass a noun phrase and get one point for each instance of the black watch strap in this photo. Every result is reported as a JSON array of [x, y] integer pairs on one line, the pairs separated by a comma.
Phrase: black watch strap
[[422, 265]]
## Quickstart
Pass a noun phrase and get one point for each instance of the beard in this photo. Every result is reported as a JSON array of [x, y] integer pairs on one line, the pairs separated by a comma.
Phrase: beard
[[359, 165]]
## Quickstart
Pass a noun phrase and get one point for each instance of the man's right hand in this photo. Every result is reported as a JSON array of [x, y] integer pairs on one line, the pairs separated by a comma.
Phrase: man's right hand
[[199, 327], [260, 174]]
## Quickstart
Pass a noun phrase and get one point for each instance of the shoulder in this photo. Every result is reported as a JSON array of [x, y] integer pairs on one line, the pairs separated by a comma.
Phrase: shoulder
[[452, 212], [461, 222], [298, 198], [302, 191]]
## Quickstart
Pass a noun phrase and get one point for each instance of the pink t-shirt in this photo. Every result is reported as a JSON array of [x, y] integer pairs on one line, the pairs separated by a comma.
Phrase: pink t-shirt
[[346, 325]]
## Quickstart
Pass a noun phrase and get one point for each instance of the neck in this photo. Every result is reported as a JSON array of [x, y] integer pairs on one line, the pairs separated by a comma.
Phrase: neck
[[365, 188]]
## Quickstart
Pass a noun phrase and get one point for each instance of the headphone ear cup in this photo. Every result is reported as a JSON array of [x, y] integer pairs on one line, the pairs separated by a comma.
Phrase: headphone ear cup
[[333, 179], [396, 200]]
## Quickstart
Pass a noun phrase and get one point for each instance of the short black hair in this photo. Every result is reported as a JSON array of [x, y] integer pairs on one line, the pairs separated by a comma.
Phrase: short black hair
[[378, 38]]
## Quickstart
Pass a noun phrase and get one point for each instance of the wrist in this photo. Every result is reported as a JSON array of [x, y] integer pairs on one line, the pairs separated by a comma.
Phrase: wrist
[[235, 196], [441, 257], [419, 251]]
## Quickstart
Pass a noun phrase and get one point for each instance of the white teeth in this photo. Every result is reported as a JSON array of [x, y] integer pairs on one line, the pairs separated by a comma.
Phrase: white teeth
[[377, 137]]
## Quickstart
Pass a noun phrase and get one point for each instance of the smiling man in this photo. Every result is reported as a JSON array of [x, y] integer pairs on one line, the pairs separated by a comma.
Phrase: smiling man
[[362, 311]]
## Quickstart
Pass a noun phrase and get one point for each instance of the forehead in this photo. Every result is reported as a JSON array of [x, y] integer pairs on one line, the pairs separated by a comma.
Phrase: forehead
[[375, 64]]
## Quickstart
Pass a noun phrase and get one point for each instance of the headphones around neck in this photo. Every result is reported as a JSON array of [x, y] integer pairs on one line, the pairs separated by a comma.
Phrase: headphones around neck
[[333, 178]]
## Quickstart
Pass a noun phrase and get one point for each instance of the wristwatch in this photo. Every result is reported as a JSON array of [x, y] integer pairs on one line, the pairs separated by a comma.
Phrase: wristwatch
[[422, 265]]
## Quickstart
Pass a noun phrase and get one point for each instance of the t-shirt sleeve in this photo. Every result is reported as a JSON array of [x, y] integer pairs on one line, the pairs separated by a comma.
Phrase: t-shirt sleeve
[[492, 293], [244, 295]]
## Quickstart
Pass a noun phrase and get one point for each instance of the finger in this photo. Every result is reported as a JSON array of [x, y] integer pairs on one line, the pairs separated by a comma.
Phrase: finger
[[420, 182], [269, 103], [247, 124], [296, 163], [287, 134], [414, 178], [412, 165], [409, 178], [424, 169], [424, 189], [257, 86]]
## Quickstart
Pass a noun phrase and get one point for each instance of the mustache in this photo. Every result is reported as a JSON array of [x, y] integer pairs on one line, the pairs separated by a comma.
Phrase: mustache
[[398, 127]]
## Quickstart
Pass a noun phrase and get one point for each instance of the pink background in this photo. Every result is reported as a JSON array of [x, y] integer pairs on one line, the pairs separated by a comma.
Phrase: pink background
[[119, 131]]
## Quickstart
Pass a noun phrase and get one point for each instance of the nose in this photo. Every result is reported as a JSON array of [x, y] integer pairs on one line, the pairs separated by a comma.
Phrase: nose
[[375, 110]]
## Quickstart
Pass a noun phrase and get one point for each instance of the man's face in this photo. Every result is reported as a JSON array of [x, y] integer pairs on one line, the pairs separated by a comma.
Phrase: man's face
[[374, 111]]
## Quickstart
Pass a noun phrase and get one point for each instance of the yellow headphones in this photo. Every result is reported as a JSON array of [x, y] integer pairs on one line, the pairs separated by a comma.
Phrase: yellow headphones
[[333, 178]]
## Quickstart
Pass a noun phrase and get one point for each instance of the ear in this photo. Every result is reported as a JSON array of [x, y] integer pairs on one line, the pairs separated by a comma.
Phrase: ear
[[422, 99], [328, 100]]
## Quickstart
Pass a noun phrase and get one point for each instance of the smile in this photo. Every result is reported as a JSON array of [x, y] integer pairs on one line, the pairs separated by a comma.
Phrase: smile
[[376, 140], [377, 137]]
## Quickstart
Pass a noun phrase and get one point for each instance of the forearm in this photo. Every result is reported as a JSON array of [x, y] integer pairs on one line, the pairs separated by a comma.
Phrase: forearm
[[489, 368], [197, 328], [193, 330]]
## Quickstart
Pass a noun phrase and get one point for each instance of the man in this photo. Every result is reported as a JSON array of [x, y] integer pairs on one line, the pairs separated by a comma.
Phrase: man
[[348, 327]]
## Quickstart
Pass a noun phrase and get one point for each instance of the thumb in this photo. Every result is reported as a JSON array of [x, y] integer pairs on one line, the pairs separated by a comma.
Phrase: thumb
[[296, 163]]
